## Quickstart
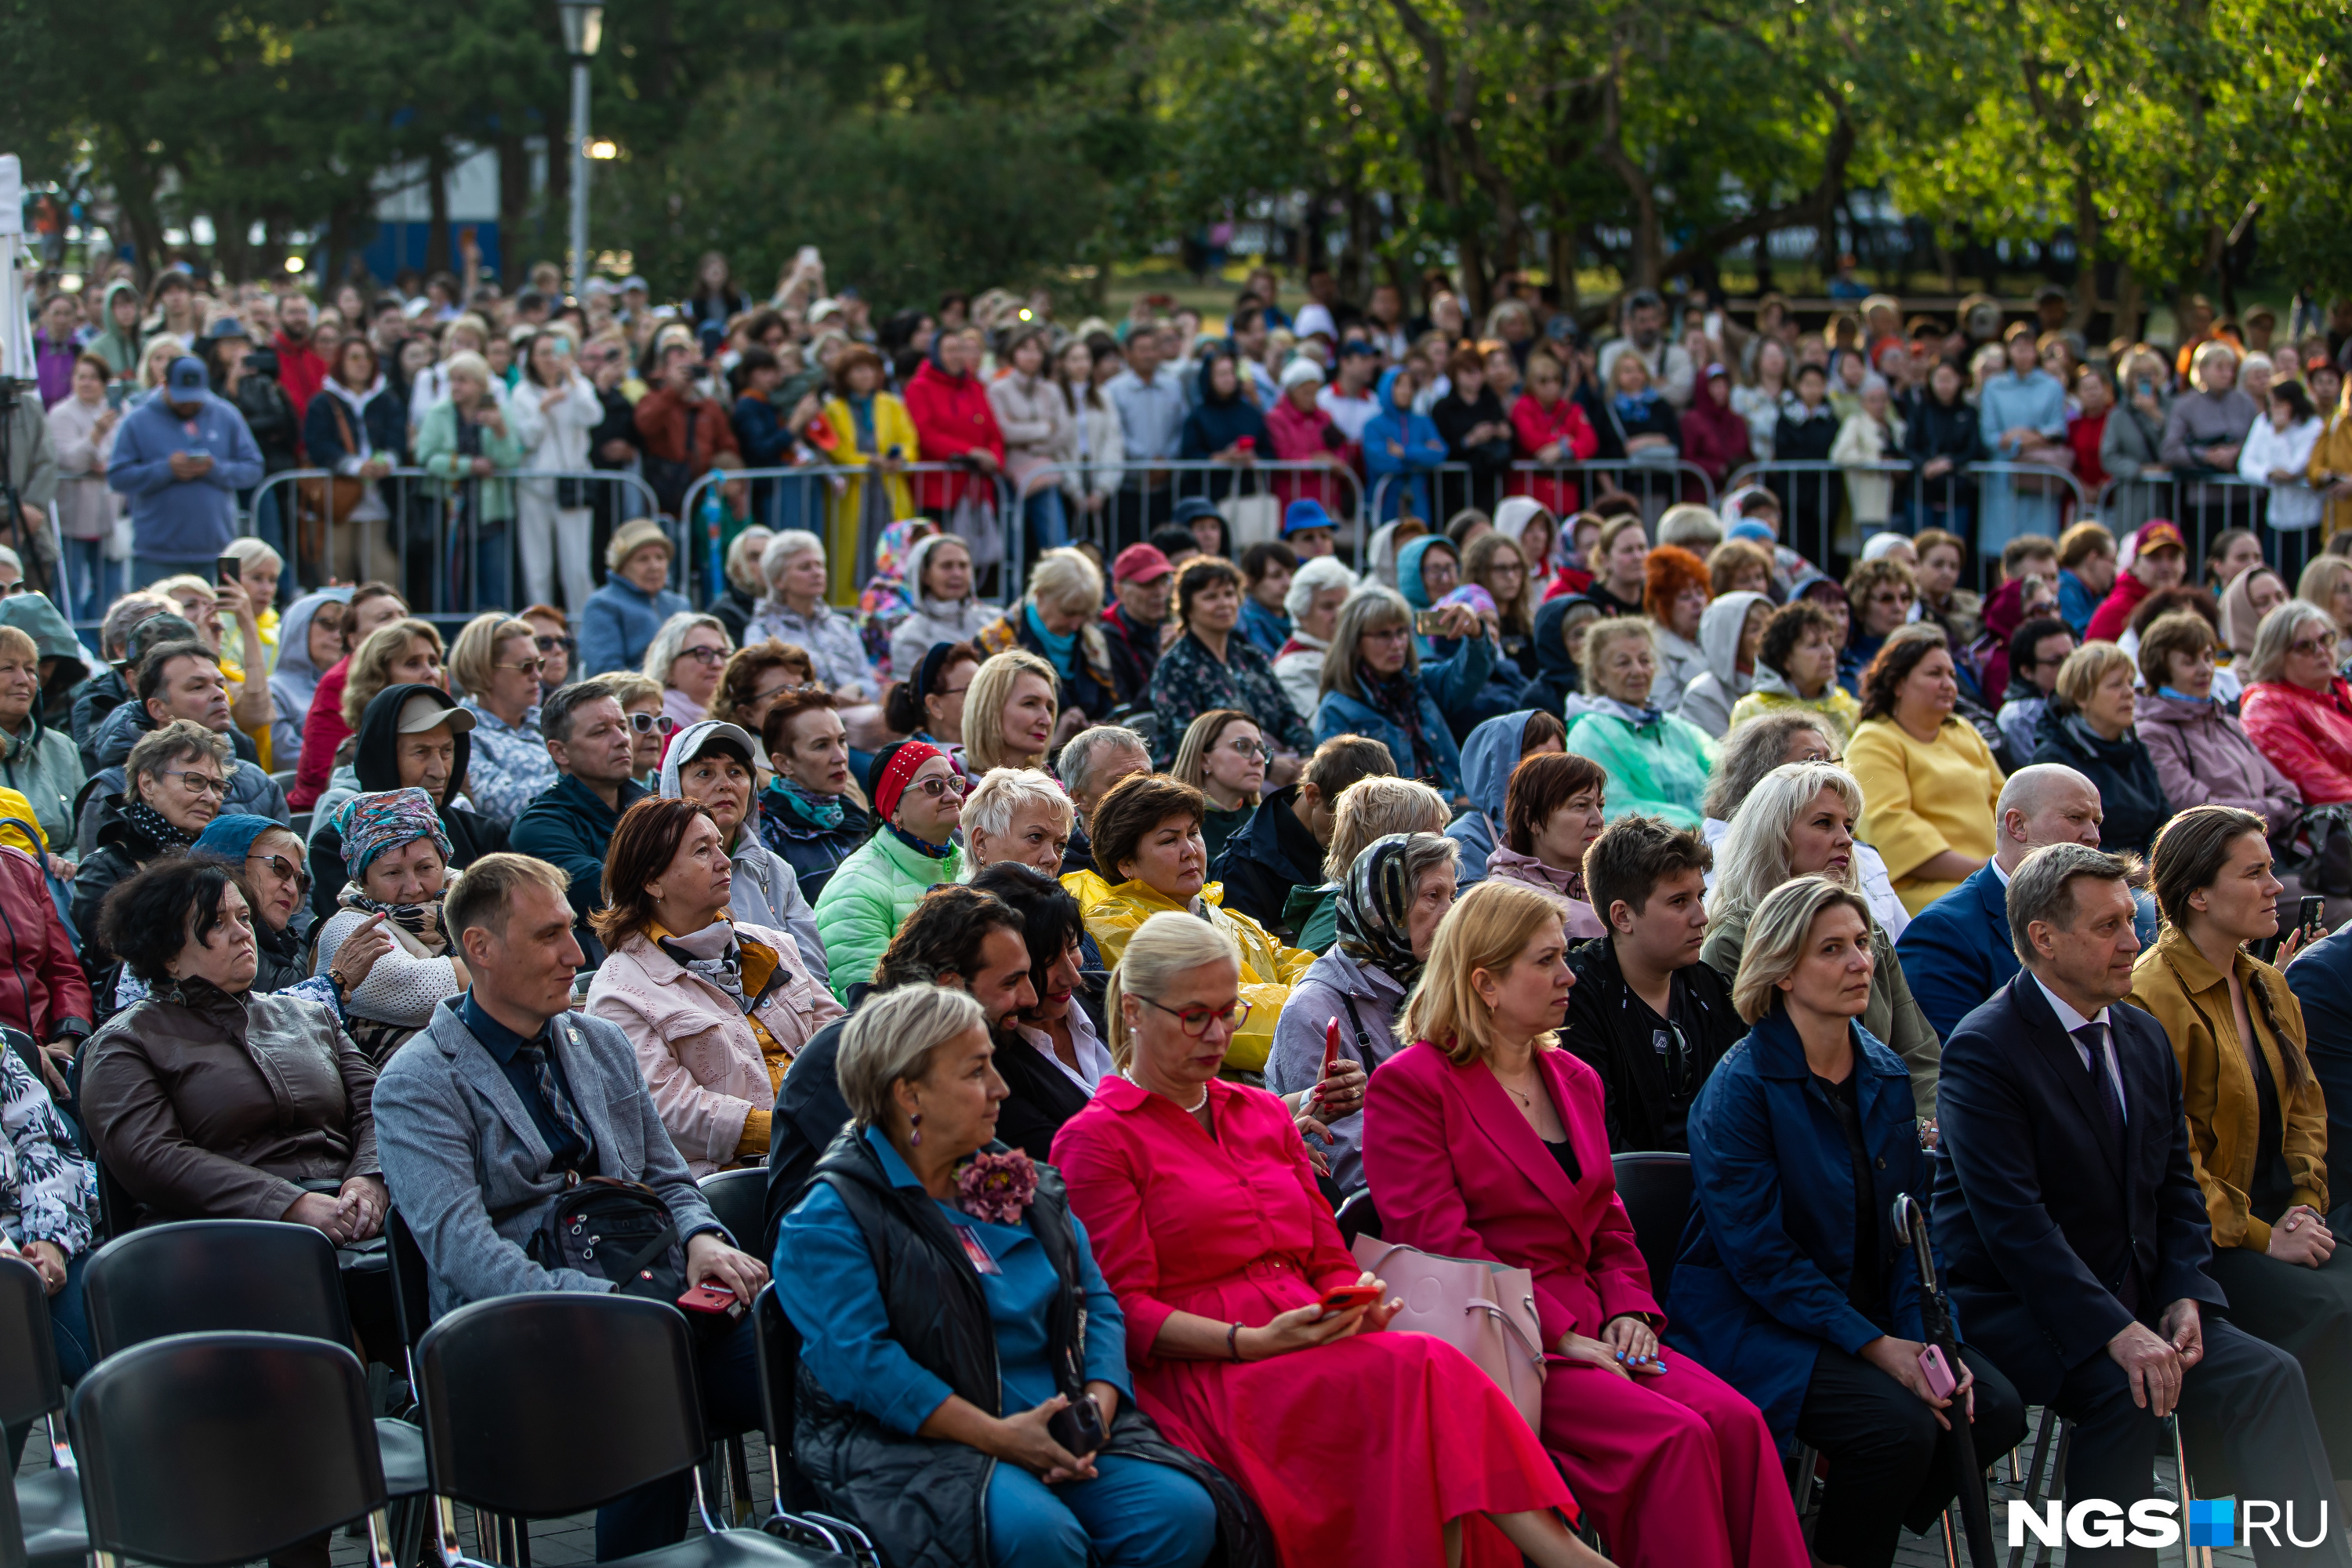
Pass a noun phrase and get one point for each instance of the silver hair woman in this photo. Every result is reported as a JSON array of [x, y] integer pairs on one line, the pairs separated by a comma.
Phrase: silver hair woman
[[1016, 814], [1799, 822]]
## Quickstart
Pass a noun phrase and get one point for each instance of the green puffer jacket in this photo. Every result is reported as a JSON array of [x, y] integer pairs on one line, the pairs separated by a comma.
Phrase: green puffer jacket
[[1658, 770], [868, 898]]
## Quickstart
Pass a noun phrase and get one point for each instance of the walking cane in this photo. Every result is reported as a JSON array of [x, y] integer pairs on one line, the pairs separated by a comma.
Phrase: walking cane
[[1936, 1312]]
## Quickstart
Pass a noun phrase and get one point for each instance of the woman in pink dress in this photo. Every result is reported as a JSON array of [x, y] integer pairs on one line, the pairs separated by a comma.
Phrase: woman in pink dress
[[1498, 1149], [1360, 1446]]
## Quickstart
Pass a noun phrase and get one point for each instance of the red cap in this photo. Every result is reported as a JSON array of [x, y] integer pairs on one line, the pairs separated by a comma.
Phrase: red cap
[[2158, 534], [1139, 563]]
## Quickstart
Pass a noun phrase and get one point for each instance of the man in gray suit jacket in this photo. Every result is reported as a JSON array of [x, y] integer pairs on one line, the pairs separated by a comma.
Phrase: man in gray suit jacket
[[505, 1101]]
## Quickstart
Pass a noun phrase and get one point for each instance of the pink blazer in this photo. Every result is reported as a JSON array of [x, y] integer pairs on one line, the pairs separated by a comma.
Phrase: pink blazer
[[1457, 1169]]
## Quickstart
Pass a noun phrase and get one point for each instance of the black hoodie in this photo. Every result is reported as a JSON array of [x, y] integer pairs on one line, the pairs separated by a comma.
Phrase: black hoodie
[[1556, 673], [376, 760]]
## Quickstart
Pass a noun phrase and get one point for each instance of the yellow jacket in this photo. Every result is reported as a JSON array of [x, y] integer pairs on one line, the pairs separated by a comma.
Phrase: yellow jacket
[[893, 426], [2176, 983], [1835, 704], [2331, 460], [1919, 800], [1268, 969]]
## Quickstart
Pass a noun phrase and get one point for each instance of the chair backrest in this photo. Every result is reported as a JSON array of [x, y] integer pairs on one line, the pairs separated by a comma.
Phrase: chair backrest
[[1357, 1216], [207, 1276], [30, 1383], [1655, 1188], [411, 1283], [553, 1403], [283, 1448], [739, 1200]]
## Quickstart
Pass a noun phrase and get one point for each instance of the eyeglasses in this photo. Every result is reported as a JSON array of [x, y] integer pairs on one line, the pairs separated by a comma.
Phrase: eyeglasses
[[2322, 643], [1389, 634], [528, 667], [549, 644], [704, 655], [1195, 1021], [1257, 749], [284, 869], [201, 783], [647, 724], [1676, 1060], [932, 788]]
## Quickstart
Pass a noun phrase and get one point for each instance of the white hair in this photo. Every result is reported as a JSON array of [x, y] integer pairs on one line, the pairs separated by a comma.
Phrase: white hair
[[1077, 762], [251, 552], [791, 541], [743, 559], [1315, 576], [1068, 579], [670, 641], [1000, 794]]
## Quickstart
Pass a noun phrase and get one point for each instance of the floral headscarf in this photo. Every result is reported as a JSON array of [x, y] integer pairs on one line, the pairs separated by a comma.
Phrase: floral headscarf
[[386, 819]]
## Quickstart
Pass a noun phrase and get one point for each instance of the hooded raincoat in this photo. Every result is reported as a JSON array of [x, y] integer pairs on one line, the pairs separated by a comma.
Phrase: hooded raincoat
[[295, 680], [1400, 447], [1708, 700], [1771, 693], [1657, 767], [1487, 758], [766, 891]]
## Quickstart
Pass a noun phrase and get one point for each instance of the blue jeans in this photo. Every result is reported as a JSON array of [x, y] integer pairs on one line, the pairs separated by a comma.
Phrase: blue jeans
[[1133, 1514], [493, 547], [727, 1366], [96, 581], [1049, 527]]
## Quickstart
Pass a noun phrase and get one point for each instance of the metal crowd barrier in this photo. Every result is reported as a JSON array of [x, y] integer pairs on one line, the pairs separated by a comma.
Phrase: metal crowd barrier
[[810, 498], [1147, 493], [1455, 486], [2202, 505], [434, 538], [1954, 500]]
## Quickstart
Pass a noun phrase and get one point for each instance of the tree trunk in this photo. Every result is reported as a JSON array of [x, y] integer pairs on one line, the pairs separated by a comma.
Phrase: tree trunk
[[514, 211], [2128, 304], [438, 247], [1561, 264]]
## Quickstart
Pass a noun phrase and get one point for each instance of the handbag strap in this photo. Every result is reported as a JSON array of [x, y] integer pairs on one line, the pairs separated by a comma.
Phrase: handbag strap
[[342, 423], [1534, 1350]]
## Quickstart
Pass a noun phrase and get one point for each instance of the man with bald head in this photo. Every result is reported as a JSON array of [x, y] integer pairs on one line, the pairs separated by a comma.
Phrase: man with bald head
[[1956, 952]]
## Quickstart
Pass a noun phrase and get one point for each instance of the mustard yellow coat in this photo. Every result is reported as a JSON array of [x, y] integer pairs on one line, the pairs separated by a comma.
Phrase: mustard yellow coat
[[1919, 800], [1268, 969], [893, 426]]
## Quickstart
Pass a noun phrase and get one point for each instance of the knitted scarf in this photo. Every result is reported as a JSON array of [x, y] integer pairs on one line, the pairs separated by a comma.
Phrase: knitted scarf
[[816, 810], [422, 921], [1397, 697]]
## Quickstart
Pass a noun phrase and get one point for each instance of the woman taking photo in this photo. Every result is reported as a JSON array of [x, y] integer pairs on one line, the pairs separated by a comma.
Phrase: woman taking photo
[[1792, 1279], [1799, 822], [1375, 684], [1204, 1211], [965, 1413], [1928, 781], [1659, 762], [1010, 715], [1223, 757], [717, 1008], [1496, 562], [1149, 856], [1492, 1144], [938, 581], [398, 858], [554, 408], [917, 801], [2296, 708], [1552, 811], [2089, 727], [709, 766], [2255, 1114], [1211, 665]]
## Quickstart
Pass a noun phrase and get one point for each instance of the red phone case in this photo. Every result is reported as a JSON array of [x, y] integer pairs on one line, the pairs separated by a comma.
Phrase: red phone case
[[707, 1299], [1346, 1297]]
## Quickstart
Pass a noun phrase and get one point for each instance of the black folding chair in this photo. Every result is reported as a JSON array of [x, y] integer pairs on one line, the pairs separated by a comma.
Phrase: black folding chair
[[287, 1452], [243, 1276], [1655, 1189], [739, 1199], [1357, 1216], [543, 1405], [794, 1515], [50, 1533], [412, 1291]]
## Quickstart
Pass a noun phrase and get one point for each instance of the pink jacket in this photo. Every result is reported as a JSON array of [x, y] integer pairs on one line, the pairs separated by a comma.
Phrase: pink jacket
[[698, 1052], [1576, 914], [1457, 1169]]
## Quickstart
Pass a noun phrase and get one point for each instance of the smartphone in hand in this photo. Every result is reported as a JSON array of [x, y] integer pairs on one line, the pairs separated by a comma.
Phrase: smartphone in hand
[[1345, 1299]]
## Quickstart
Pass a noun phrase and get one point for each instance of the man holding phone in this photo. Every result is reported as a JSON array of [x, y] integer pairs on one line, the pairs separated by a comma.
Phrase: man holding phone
[[181, 458]]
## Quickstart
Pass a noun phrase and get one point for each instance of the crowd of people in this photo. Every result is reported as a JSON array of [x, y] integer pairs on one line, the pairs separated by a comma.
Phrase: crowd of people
[[1069, 963]]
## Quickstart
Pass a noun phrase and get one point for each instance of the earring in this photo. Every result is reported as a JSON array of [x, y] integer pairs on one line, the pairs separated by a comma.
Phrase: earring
[[914, 1131]]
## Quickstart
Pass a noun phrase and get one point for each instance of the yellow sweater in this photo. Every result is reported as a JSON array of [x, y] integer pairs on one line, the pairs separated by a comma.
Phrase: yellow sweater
[[1919, 800]]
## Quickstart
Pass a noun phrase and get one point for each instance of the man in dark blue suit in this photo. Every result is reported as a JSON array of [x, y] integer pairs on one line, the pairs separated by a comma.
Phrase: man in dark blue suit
[[1956, 951], [2321, 978], [2073, 1228]]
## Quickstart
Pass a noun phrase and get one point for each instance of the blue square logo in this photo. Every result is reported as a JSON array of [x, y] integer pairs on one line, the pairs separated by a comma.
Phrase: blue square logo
[[2213, 1523]]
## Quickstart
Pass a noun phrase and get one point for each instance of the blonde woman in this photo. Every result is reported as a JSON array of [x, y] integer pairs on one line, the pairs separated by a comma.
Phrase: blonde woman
[[407, 652], [2327, 583], [1803, 1130], [1220, 1253], [496, 662], [1367, 811], [650, 726], [1009, 714], [1059, 619], [1799, 822], [1224, 756], [2091, 726], [1484, 1138], [687, 656]]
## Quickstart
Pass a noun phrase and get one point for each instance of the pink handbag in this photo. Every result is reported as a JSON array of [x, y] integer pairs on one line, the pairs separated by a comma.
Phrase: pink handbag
[[1483, 1309]]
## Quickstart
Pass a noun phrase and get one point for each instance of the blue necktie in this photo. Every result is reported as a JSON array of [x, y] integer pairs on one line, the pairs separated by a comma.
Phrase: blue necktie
[[2091, 1038]]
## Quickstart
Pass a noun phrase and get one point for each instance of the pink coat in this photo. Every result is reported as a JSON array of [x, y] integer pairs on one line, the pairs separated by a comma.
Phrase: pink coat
[[697, 1051], [1576, 915]]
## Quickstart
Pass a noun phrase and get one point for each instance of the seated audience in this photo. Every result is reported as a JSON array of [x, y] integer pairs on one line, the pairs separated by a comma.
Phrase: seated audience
[[1390, 901], [1754, 749], [885, 1413], [1058, 620], [1675, 595], [1219, 1264], [398, 861], [1211, 665], [177, 777], [36, 761], [1796, 666], [945, 610], [715, 1008], [926, 702], [1321, 586], [2239, 1036], [2088, 727], [410, 737], [1051, 1054], [271, 860], [1094, 760], [2251, 594], [813, 814], [2070, 1220], [110, 688], [1489, 757], [1223, 756], [1658, 762], [1646, 1015], [1792, 1278], [1883, 594], [1799, 821], [2157, 560], [1676, 1465], [1377, 684], [176, 680], [687, 656], [709, 764], [618, 622], [208, 1100], [1147, 858], [740, 599], [650, 728], [2086, 561], [1018, 815], [2318, 977], [1368, 809], [2297, 710], [1729, 635], [402, 652], [2037, 650], [569, 824], [917, 801], [497, 664], [478, 1175], [2201, 751], [1552, 813], [1009, 717], [755, 676], [1142, 580], [370, 608], [796, 612], [1282, 848], [1928, 781], [49, 1208]]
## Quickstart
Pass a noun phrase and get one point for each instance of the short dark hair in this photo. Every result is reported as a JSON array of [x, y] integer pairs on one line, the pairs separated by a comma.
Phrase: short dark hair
[[147, 915], [1050, 919], [482, 895], [1267, 552], [1542, 726], [2194, 597], [150, 668], [790, 706], [1905, 649], [1342, 760], [1634, 855], [1169, 537], [556, 709], [2027, 636], [943, 936], [1541, 785], [1787, 628], [645, 841], [1197, 575], [2181, 632], [1133, 808]]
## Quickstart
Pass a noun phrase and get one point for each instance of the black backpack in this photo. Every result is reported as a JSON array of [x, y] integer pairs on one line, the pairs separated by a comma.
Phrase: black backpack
[[614, 1230]]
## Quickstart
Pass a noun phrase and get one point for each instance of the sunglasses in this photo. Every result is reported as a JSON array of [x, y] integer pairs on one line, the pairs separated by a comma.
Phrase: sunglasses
[[647, 724], [549, 644], [284, 869], [530, 666], [932, 788]]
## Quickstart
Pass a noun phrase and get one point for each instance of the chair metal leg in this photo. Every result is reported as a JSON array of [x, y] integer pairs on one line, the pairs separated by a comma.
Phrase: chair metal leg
[[1951, 1540], [2189, 1555], [739, 1481], [1801, 1484]]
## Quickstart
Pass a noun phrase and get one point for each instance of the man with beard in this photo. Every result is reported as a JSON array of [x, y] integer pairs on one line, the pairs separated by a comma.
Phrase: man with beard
[[301, 370], [1671, 370]]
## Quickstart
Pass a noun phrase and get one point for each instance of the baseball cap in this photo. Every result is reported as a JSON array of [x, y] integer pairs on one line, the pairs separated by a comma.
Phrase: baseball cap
[[1139, 563], [228, 327], [1303, 514], [1355, 346], [2156, 535], [153, 633], [1299, 370], [421, 713], [186, 380]]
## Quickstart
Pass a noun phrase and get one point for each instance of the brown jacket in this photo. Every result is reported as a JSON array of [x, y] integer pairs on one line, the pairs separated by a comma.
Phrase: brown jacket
[[661, 417], [208, 1106], [2190, 999]]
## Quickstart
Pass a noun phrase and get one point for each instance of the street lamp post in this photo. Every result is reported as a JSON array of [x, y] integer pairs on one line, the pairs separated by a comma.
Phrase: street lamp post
[[584, 30]]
